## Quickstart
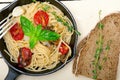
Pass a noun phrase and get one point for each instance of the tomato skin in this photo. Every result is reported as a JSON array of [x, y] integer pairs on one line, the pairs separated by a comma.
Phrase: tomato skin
[[25, 57], [41, 17], [63, 49], [17, 32]]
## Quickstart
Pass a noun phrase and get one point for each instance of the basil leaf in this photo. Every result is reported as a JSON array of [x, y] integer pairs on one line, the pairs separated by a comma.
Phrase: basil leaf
[[27, 26], [38, 30], [35, 35], [47, 35], [32, 42]]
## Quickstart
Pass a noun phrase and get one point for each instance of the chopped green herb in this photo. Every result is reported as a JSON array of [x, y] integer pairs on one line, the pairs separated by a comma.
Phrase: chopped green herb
[[94, 71], [46, 7], [99, 67], [77, 32], [99, 50], [95, 77], [54, 13], [107, 47], [93, 62], [105, 58], [100, 25], [65, 23], [107, 50], [97, 42], [34, 0]]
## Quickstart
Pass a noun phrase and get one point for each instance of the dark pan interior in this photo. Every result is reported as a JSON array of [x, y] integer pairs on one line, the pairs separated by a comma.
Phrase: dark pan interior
[[4, 13]]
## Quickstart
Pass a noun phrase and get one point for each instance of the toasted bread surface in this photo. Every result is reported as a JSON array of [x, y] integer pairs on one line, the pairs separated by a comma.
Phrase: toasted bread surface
[[87, 48]]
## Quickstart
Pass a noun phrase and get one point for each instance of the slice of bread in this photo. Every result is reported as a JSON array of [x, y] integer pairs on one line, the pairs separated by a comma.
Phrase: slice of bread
[[87, 48]]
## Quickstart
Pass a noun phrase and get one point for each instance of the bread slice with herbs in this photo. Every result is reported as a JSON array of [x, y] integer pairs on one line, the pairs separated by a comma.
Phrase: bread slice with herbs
[[99, 53]]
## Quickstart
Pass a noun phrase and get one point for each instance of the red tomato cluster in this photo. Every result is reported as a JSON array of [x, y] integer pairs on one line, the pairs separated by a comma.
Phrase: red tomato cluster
[[63, 49], [25, 57], [41, 17], [17, 32]]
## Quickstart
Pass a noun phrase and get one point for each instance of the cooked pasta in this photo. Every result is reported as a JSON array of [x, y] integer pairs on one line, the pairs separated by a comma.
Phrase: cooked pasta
[[45, 54]]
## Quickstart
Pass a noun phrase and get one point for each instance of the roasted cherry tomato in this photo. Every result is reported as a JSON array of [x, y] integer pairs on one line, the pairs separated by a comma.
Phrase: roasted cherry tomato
[[63, 49], [25, 57], [41, 17], [17, 32]]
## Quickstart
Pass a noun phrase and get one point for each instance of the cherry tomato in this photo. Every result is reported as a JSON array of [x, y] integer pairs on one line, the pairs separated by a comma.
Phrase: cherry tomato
[[41, 17], [63, 49], [17, 32], [25, 57]]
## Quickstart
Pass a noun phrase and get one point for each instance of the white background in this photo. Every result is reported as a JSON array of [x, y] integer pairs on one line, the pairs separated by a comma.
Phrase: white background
[[85, 13]]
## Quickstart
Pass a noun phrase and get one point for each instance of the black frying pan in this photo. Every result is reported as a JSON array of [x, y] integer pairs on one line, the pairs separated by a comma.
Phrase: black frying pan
[[14, 70]]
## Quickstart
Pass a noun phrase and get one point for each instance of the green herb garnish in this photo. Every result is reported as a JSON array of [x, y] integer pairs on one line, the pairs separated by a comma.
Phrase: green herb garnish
[[65, 23], [99, 50], [100, 25], [45, 7], [106, 54], [33, 0], [100, 67], [108, 45], [94, 76], [36, 33]]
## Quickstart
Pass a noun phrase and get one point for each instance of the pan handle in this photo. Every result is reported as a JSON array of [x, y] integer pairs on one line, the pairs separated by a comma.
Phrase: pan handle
[[12, 74]]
